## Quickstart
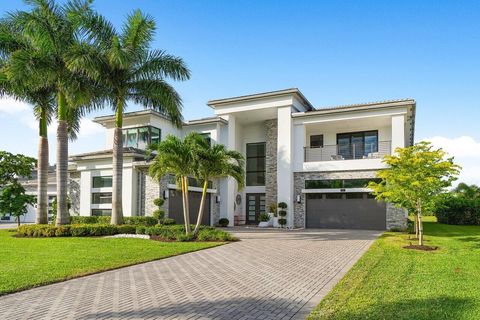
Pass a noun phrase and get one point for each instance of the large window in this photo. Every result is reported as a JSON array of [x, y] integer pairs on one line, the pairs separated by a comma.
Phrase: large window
[[101, 212], [102, 182], [141, 137], [101, 197], [357, 145], [316, 141], [256, 164], [338, 183]]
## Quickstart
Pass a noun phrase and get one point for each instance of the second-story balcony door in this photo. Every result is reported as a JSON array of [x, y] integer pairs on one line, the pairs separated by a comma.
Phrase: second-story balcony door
[[357, 145]]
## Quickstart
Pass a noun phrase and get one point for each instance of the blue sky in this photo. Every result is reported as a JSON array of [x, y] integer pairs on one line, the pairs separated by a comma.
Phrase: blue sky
[[335, 52]]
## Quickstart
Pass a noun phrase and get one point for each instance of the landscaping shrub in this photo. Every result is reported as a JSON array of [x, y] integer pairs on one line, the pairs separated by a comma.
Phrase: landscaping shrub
[[214, 235], [167, 221], [140, 230], [177, 233], [136, 221], [223, 222], [451, 209], [282, 221], [75, 230]]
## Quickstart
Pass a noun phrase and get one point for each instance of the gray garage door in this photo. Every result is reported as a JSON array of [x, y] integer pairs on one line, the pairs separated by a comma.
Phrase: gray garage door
[[175, 207], [345, 211]]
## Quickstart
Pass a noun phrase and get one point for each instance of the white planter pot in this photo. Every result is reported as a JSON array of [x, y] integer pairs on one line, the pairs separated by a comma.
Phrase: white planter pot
[[275, 222], [264, 224]]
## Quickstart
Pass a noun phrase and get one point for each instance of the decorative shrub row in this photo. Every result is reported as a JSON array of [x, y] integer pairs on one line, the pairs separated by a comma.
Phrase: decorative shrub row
[[452, 209], [74, 230], [135, 221], [177, 233]]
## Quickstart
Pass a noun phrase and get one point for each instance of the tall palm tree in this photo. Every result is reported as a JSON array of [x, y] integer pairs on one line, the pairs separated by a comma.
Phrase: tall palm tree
[[52, 31], [177, 157], [215, 162], [129, 71], [42, 98]]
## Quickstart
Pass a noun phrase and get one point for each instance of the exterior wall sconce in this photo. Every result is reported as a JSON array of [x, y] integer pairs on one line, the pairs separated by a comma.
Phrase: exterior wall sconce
[[217, 199], [165, 194], [299, 198]]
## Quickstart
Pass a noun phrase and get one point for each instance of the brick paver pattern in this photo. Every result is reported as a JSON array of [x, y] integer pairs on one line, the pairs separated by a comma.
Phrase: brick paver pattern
[[267, 275]]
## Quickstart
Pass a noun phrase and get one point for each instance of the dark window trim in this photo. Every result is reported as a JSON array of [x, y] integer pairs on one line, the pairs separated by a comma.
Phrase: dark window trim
[[357, 132], [93, 186], [125, 130], [255, 157]]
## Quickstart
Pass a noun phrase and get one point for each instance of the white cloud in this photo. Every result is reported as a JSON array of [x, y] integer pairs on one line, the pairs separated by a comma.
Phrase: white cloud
[[466, 153], [89, 128], [10, 106]]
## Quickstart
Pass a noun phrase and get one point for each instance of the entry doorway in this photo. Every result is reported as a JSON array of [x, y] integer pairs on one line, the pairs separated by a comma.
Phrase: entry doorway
[[255, 206]]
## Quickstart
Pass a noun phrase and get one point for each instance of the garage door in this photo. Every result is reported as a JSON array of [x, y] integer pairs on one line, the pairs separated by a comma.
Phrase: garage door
[[175, 207], [345, 211]]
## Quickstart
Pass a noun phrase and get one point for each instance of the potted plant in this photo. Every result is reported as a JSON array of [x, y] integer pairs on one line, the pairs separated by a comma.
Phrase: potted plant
[[282, 213], [264, 220], [272, 211]]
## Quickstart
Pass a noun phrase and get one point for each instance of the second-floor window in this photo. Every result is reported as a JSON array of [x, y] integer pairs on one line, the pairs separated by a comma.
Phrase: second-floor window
[[102, 182], [255, 164], [357, 145], [141, 137]]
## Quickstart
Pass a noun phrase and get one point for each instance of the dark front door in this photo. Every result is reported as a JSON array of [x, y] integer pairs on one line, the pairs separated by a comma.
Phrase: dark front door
[[175, 207], [255, 206]]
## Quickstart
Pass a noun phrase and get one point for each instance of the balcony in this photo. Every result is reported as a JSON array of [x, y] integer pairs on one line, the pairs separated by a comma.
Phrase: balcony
[[347, 151]]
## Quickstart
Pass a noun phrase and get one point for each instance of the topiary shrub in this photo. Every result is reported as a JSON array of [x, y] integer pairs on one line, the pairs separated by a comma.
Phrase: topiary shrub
[[282, 213], [282, 221], [282, 205], [223, 222]]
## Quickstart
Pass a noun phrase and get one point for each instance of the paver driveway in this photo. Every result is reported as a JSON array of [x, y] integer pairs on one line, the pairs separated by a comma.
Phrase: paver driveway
[[267, 275]]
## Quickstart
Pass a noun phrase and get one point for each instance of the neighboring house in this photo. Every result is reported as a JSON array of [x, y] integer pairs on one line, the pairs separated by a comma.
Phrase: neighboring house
[[318, 161]]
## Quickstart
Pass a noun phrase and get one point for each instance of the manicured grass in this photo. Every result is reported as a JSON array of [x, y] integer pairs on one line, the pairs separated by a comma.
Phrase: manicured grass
[[28, 262], [390, 282]]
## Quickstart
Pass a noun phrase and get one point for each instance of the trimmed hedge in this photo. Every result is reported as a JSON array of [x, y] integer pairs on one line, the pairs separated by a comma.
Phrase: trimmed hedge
[[135, 221], [177, 233], [458, 210], [74, 230]]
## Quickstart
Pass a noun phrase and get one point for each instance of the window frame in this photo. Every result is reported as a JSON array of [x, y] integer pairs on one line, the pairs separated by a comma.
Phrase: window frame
[[322, 140], [96, 177], [137, 129], [247, 172], [350, 136]]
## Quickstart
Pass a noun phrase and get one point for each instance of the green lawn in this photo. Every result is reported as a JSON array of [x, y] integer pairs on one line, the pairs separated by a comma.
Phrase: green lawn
[[390, 282], [28, 262]]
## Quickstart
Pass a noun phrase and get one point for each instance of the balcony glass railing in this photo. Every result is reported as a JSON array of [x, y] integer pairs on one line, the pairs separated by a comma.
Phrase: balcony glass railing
[[348, 151]]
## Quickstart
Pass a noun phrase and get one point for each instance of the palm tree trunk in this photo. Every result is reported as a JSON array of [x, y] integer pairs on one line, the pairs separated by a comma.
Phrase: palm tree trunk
[[117, 167], [186, 206], [42, 173], [201, 209], [18, 221], [63, 216]]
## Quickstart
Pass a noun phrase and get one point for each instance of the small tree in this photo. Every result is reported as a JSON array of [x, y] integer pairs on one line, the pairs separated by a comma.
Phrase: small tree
[[414, 177], [159, 214], [14, 166], [14, 200]]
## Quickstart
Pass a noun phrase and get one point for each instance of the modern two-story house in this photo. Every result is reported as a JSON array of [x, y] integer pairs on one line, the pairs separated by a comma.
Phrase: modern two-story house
[[317, 160]]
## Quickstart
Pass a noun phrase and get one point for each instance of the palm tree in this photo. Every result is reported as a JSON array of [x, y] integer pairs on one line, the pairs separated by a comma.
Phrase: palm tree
[[52, 32], [215, 162], [129, 71], [43, 101], [176, 157]]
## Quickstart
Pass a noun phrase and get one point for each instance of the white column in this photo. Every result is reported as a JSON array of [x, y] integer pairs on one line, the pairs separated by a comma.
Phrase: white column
[[298, 147], [85, 192], [398, 132], [231, 183], [284, 161]]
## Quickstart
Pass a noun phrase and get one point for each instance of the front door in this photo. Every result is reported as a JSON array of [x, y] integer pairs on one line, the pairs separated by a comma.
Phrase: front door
[[255, 206]]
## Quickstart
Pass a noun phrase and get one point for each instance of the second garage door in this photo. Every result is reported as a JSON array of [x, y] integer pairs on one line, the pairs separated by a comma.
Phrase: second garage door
[[175, 207], [345, 211]]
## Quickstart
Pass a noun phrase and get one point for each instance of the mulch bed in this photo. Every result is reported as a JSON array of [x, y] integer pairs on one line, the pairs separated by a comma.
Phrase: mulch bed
[[419, 247]]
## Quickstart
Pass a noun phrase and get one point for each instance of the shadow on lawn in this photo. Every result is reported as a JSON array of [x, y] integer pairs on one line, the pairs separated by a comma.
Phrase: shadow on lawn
[[439, 308]]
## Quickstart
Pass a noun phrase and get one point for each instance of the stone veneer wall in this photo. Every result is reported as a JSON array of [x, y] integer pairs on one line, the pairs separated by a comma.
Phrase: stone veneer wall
[[153, 190], [271, 162], [396, 217], [74, 192]]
